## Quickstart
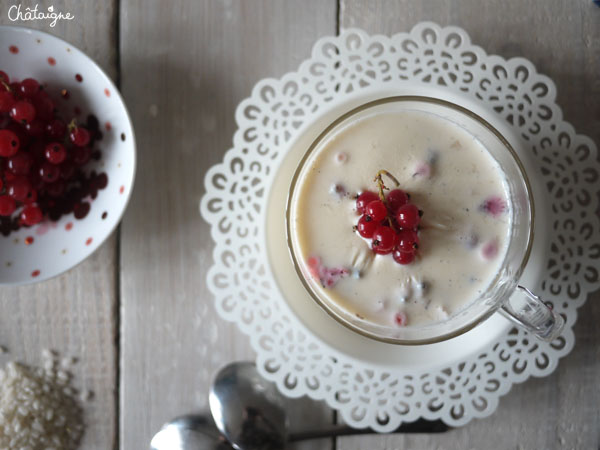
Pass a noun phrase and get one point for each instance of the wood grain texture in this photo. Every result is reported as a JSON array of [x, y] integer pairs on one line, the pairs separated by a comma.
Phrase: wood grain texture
[[562, 39], [185, 67], [74, 313]]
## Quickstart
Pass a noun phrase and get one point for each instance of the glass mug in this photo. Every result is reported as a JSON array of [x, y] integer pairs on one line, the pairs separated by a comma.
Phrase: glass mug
[[504, 293]]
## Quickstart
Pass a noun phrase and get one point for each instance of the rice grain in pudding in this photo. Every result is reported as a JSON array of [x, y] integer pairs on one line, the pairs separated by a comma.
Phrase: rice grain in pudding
[[464, 230]]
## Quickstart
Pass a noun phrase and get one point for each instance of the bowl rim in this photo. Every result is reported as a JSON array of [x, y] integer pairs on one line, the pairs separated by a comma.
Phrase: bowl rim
[[114, 91]]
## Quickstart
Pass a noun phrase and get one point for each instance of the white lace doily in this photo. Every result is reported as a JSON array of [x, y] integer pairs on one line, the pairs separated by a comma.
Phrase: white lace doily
[[235, 205]]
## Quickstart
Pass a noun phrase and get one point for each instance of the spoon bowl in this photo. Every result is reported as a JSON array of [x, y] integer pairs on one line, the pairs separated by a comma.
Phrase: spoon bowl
[[247, 409], [190, 432]]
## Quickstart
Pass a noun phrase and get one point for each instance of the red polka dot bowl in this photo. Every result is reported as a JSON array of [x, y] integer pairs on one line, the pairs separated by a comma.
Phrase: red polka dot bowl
[[79, 88]]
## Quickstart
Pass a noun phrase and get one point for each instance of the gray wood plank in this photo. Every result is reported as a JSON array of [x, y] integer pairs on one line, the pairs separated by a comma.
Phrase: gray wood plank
[[74, 313], [185, 67], [563, 40]]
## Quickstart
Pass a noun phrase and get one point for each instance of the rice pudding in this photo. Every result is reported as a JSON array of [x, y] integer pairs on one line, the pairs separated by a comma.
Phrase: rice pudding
[[463, 233]]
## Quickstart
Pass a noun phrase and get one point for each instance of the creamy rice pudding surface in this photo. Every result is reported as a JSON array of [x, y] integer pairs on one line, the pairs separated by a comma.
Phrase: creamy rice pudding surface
[[463, 233]]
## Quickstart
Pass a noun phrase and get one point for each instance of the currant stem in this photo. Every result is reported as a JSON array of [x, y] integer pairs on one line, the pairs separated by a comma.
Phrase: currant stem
[[381, 186], [385, 172], [72, 125], [8, 88]]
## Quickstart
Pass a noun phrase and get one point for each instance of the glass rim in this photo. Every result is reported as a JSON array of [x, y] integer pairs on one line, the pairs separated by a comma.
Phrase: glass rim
[[398, 99]]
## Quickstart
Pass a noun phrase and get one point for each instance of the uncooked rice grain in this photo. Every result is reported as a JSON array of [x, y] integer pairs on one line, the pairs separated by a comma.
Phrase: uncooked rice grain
[[38, 408]]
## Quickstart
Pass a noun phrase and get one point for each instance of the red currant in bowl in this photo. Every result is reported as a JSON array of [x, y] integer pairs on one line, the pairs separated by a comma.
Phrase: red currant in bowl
[[81, 155], [9, 143], [44, 106], [29, 87], [403, 258], [7, 100], [56, 188], [364, 199], [79, 136], [19, 188], [31, 215], [396, 199], [376, 210], [408, 216], [408, 241], [55, 153], [384, 240], [36, 127], [366, 226], [7, 205], [22, 112], [56, 129], [49, 172]]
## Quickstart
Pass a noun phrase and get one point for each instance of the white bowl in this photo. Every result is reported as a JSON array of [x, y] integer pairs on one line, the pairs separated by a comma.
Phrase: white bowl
[[58, 246]]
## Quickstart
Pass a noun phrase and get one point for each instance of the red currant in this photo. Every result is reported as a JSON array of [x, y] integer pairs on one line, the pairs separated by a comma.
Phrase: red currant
[[20, 164], [49, 172], [102, 181], [408, 216], [31, 215], [7, 100], [19, 188], [366, 226], [376, 210], [81, 155], [56, 129], [80, 136], [67, 170], [35, 127], [44, 106], [22, 112], [403, 257], [29, 87], [384, 240], [7, 205], [408, 241], [36, 180], [21, 133], [80, 210], [56, 189], [396, 199], [31, 197], [4, 77], [55, 153], [9, 143], [364, 199]]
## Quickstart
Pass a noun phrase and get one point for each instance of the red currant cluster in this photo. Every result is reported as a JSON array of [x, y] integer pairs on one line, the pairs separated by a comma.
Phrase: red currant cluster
[[42, 157], [390, 221]]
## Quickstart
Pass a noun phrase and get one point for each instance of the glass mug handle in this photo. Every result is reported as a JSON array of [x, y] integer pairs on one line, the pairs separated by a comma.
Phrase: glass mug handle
[[529, 311]]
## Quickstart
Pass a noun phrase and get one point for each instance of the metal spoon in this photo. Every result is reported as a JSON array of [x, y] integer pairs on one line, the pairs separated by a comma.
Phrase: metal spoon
[[250, 412], [191, 432]]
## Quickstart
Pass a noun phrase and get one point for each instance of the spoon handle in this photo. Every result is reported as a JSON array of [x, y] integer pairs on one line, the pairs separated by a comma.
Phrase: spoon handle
[[419, 426]]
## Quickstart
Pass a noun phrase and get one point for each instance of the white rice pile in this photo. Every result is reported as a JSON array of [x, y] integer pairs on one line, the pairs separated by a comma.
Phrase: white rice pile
[[38, 408]]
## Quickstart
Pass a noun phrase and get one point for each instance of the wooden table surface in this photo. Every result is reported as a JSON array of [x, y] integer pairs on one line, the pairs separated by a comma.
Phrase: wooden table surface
[[138, 314]]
